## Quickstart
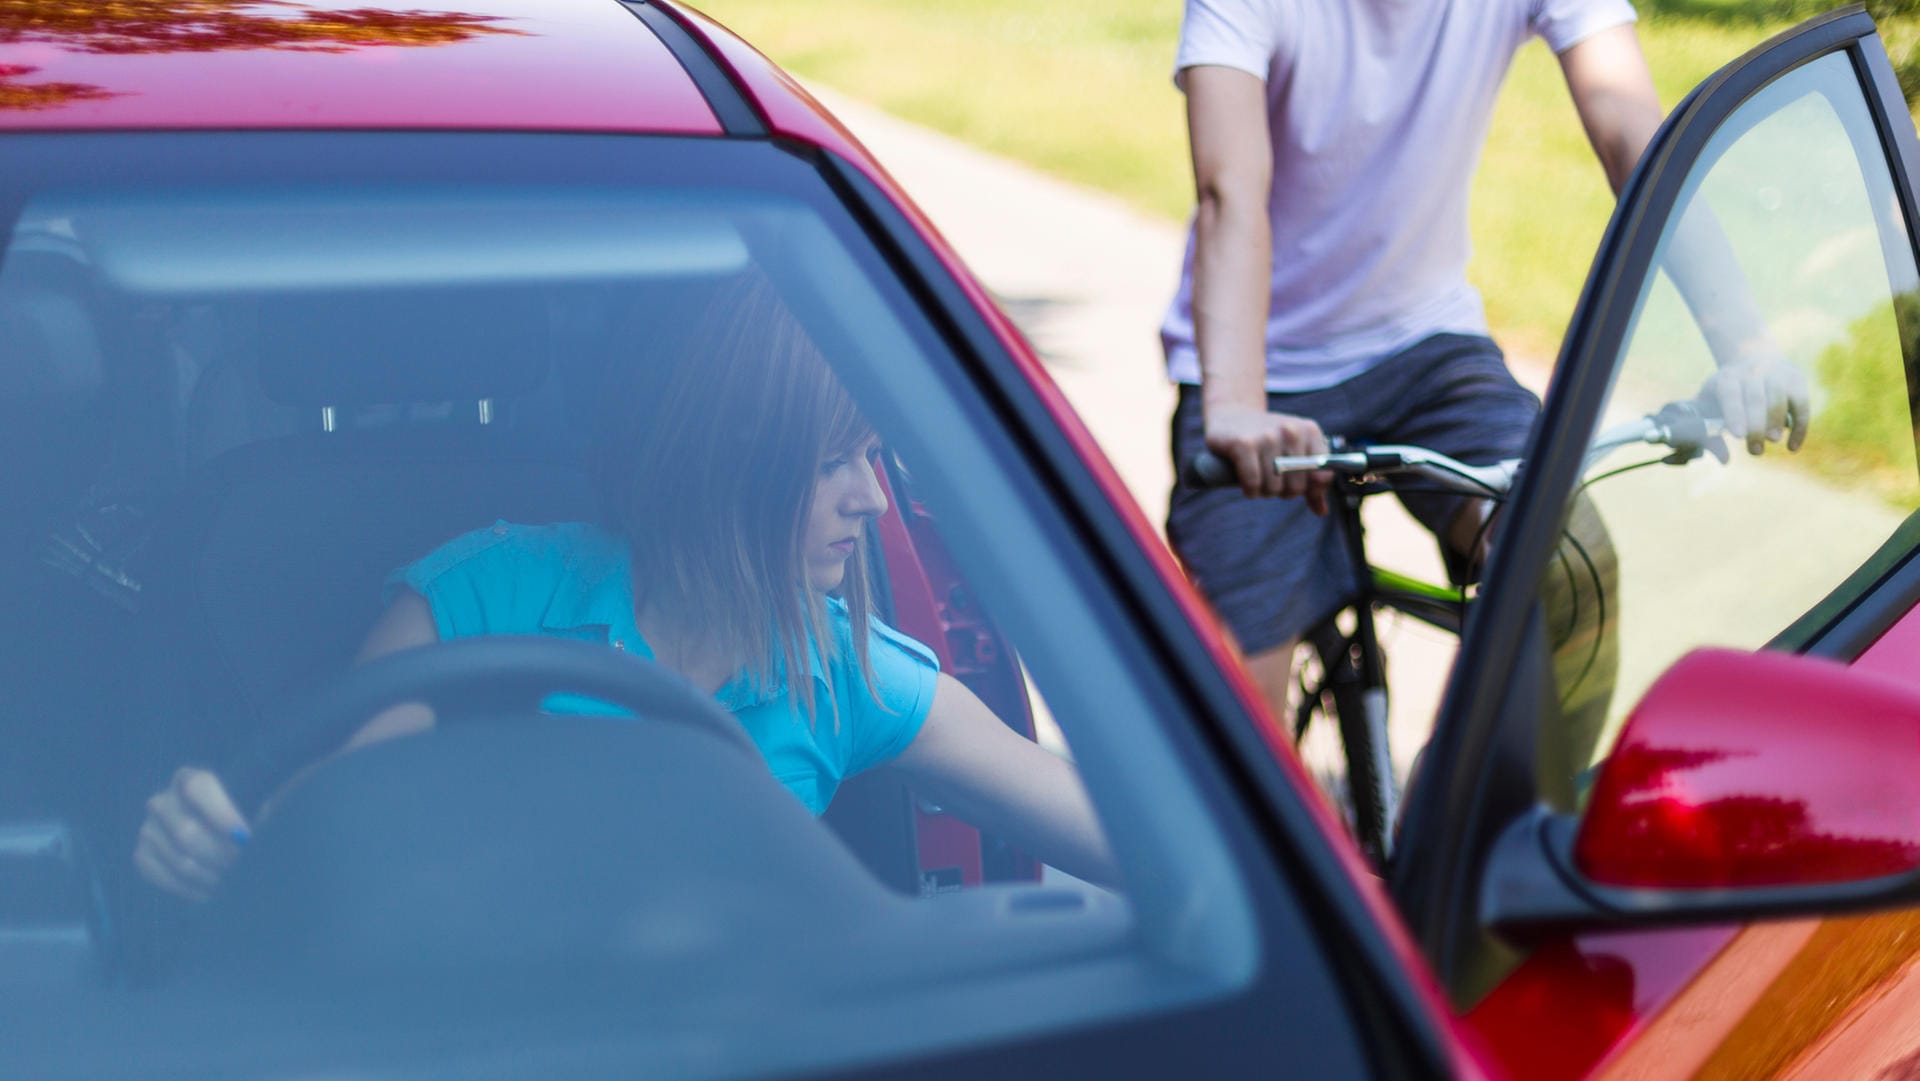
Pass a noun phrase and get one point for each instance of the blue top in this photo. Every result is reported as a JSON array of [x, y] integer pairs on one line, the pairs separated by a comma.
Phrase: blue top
[[575, 580]]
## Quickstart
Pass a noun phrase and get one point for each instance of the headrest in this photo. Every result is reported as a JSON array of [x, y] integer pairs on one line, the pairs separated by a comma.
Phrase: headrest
[[49, 346], [402, 347]]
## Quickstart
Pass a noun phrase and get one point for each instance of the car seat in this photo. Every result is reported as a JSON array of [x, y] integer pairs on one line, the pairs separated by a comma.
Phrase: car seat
[[53, 445], [265, 569]]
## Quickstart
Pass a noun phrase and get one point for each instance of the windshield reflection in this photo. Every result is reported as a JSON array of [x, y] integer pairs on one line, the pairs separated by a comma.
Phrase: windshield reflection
[[150, 27]]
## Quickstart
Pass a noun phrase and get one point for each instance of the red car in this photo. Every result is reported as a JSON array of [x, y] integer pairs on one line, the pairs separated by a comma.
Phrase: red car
[[291, 295]]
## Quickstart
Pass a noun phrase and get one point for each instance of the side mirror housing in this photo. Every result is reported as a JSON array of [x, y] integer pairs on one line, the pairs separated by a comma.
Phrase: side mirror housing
[[1743, 785]]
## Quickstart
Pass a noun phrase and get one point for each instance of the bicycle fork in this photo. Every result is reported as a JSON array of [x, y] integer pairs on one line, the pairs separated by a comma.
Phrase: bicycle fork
[[1362, 672]]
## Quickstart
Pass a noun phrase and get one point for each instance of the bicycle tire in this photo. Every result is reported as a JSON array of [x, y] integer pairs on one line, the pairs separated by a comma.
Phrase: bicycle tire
[[1359, 713]]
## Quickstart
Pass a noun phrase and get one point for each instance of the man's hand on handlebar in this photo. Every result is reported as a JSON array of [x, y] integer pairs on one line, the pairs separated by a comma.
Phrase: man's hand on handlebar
[[1251, 439], [1762, 398]]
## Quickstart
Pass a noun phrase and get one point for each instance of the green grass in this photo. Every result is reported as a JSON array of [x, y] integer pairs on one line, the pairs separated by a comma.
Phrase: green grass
[[1079, 88], [1082, 89]]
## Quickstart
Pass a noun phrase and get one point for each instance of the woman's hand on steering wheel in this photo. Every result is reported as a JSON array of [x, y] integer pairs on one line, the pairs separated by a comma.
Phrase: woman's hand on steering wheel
[[192, 834], [194, 827]]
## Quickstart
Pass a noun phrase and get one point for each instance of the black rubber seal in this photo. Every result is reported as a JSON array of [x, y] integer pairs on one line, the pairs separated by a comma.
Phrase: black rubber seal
[[730, 104]]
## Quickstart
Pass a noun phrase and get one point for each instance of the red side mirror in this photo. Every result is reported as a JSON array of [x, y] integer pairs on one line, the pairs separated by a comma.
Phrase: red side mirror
[[1758, 769]]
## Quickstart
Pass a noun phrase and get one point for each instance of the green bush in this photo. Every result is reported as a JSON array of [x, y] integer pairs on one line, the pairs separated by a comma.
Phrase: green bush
[[1900, 28], [1899, 24], [1863, 429]]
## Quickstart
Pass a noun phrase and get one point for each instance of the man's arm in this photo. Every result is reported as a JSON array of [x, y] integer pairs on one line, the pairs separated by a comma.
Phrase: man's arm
[[1762, 396], [1232, 282], [1613, 92]]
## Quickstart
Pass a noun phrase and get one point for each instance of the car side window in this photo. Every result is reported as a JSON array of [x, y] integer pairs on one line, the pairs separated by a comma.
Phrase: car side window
[[1786, 271]]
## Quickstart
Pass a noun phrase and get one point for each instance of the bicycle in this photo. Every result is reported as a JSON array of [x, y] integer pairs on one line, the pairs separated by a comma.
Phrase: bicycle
[[1351, 685]]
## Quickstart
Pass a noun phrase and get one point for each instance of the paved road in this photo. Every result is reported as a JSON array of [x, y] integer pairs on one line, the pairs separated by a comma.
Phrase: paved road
[[1085, 276]]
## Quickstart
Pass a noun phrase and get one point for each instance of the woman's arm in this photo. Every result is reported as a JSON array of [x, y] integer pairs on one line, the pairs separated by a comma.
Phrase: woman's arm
[[406, 624], [193, 831], [964, 758]]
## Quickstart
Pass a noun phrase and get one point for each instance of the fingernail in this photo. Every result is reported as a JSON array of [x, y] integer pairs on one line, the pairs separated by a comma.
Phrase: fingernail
[[241, 835], [1774, 434]]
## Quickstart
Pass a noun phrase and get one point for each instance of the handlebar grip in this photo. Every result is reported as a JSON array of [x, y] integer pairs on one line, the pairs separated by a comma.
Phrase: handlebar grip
[[1208, 470], [1686, 423]]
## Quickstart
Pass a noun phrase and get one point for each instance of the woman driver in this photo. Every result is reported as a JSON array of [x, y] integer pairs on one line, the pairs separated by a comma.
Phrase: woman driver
[[733, 556]]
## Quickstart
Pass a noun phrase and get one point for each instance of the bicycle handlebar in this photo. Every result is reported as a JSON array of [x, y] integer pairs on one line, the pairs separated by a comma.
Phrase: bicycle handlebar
[[1684, 426], [1209, 470]]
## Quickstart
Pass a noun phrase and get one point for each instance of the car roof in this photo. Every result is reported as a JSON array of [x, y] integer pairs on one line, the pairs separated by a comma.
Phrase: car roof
[[625, 66], [561, 65]]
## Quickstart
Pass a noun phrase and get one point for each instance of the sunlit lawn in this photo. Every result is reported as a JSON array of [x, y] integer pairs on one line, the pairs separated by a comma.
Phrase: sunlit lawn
[[1082, 89]]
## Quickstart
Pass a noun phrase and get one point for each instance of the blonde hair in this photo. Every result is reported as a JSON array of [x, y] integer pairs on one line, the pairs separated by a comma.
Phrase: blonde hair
[[708, 458]]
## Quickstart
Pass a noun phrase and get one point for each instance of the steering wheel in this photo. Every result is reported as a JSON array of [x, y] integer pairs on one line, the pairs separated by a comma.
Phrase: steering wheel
[[494, 675]]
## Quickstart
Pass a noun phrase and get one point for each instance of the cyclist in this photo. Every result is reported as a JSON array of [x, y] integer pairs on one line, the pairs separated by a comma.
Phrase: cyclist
[[1324, 286]]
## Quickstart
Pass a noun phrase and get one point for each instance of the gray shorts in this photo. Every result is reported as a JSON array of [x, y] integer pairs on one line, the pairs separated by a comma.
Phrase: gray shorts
[[1271, 567]]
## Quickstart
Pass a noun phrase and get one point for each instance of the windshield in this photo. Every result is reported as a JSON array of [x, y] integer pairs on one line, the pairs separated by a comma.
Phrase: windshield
[[1785, 272], [288, 418]]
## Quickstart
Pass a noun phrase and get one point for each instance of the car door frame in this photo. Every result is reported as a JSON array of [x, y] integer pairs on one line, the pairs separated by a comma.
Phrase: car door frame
[[1480, 767]]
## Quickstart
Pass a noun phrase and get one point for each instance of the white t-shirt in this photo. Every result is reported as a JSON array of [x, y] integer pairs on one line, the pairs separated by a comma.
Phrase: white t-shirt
[[1379, 110]]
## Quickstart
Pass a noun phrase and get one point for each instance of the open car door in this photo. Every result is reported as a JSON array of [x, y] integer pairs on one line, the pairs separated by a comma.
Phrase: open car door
[[1652, 738]]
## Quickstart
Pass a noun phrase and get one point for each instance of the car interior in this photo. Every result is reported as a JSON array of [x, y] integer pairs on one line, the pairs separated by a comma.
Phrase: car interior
[[208, 492], [229, 411]]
